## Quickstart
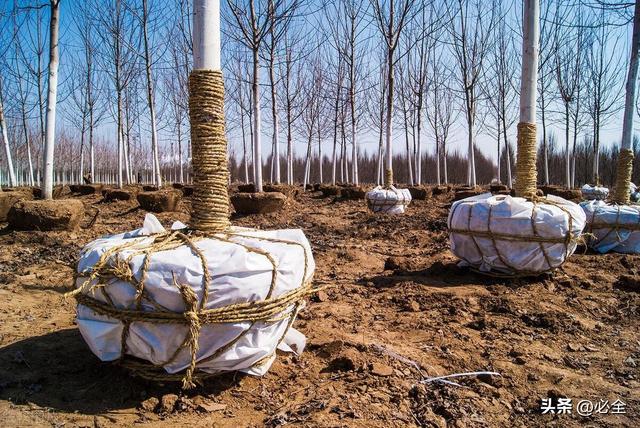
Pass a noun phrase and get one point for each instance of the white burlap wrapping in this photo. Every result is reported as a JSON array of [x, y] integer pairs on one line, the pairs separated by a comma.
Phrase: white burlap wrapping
[[634, 193], [388, 200], [613, 227], [514, 236], [241, 265], [592, 193]]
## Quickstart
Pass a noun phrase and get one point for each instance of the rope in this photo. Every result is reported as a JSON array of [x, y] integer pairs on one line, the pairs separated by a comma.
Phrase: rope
[[526, 173], [110, 265], [210, 200], [388, 178], [567, 240], [623, 177], [386, 204]]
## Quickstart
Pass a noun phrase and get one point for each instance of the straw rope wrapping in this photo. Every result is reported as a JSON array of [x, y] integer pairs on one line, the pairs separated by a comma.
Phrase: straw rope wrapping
[[568, 239], [111, 265], [388, 178], [387, 204], [614, 227], [209, 150], [623, 177], [526, 173]]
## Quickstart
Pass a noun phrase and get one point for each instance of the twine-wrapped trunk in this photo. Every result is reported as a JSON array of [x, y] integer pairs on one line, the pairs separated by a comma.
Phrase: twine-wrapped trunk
[[210, 206]]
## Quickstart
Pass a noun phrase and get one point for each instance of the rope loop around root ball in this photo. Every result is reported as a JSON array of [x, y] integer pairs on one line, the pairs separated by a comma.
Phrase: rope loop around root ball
[[622, 194], [210, 200], [114, 265], [526, 172]]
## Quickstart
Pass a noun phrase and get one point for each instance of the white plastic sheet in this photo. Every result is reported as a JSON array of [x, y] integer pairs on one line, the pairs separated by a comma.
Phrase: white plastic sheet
[[473, 220], [594, 192], [614, 227], [238, 276], [390, 201]]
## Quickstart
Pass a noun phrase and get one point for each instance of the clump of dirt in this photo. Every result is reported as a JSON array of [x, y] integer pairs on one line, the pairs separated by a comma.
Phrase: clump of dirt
[[46, 215]]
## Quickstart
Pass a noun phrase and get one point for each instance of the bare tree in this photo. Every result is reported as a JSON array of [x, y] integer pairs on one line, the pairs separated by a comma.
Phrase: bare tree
[[391, 18], [255, 23], [568, 58], [499, 89], [442, 111], [119, 43], [150, 94], [52, 99], [604, 72], [473, 22]]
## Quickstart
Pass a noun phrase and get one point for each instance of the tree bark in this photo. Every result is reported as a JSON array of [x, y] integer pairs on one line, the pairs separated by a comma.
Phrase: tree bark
[[52, 98]]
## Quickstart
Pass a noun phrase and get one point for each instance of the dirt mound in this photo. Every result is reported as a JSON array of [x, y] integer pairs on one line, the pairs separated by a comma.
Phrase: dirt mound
[[111, 195], [46, 215], [258, 203], [420, 192], [9, 198], [159, 201]]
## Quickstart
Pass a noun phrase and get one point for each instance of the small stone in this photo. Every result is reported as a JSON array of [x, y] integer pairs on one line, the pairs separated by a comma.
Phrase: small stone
[[321, 296], [521, 360], [150, 404], [630, 362], [380, 369], [413, 306], [211, 407], [27, 278], [574, 347], [168, 403]]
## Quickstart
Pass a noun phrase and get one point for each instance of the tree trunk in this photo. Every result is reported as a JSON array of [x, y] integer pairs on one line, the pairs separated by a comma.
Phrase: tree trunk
[[150, 97], [389, 123], [307, 164], [7, 149], [275, 158], [257, 148], [568, 154], [545, 147], [52, 98]]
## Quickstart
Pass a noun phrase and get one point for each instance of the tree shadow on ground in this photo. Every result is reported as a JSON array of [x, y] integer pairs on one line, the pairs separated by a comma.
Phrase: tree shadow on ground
[[58, 371], [447, 275]]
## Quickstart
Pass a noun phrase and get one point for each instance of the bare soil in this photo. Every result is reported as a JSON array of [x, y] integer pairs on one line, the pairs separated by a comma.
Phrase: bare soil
[[397, 310]]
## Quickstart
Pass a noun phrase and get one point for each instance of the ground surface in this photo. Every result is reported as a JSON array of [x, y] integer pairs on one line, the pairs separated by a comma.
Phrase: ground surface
[[398, 310]]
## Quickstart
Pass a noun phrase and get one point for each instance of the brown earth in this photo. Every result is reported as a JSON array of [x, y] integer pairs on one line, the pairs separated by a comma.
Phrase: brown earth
[[398, 310]]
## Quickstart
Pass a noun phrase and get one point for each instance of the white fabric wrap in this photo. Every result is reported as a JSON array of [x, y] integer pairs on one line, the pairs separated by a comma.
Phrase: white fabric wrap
[[513, 216], [390, 201], [237, 276], [594, 192], [613, 238]]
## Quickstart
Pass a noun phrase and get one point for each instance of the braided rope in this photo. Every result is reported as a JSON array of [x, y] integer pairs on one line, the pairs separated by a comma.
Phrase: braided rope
[[388, 178], [623, 177], [210, 200], [526, 173], [567, 240]]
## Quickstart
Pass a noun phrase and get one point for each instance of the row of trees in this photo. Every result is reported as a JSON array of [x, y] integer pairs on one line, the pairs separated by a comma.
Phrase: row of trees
[[326, 83]]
